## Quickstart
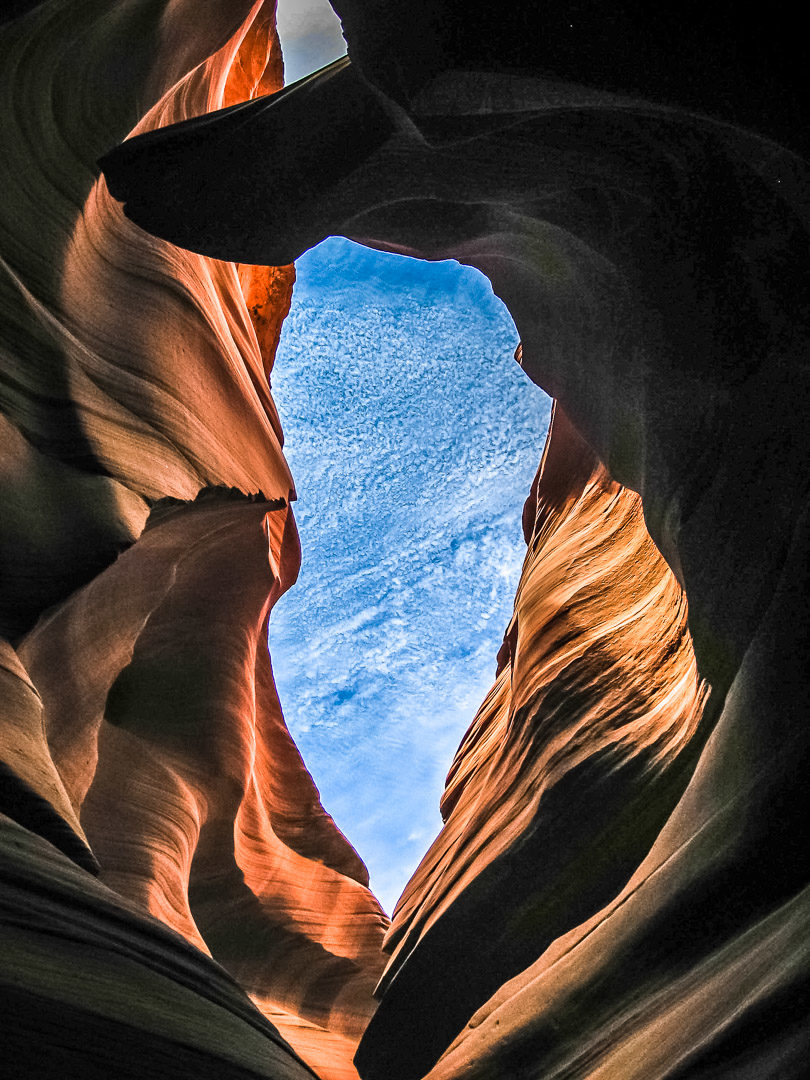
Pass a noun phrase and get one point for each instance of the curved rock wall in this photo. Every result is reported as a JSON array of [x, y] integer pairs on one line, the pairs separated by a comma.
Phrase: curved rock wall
[[118, 350], [635, 190], [620, 889], [148, 499], [163, 723], [568, 771]]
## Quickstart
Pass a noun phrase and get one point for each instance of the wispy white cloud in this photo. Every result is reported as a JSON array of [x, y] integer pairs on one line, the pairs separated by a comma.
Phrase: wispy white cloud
[[413, 437]]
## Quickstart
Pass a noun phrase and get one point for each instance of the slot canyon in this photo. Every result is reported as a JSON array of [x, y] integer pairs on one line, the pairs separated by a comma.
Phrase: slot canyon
[[620, 888]]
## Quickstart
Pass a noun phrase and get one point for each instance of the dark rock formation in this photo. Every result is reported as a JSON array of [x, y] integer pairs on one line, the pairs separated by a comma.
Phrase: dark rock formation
[[92, 987], [635, 192]]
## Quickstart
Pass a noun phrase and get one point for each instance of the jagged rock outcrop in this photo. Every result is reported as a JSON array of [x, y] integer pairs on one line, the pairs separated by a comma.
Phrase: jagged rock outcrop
[[146, 533], [653, 253]]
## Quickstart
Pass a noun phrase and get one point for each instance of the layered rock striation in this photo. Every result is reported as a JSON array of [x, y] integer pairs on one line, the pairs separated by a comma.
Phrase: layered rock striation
[[620, 889], [616, 893], [567, 773], [175, 898], [103, 326], [164, 726]]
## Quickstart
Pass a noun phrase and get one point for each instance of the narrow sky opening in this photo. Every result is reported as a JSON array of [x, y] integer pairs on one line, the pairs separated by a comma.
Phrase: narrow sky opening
[[413, 437], [310, 36]]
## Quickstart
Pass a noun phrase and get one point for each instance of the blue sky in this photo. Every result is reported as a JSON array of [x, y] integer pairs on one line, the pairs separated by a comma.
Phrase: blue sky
[[413, 437], [310, 36]]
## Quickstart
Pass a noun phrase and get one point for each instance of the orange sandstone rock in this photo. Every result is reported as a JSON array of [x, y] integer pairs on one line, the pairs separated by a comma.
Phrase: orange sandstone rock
[[163, 722], [139, 714], [618, 892], [570, 768], [118, 351]]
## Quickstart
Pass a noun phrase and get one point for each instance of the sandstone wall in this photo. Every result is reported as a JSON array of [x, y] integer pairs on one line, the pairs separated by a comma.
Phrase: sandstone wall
[[635, 190], [146, 533], [620, 889], [567, 773]]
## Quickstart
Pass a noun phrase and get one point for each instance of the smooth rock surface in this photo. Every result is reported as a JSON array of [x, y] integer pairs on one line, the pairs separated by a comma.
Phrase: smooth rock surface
[[164, 725], [621, 887], [634, 190], [148, 531], [94, 988], [106, 409]]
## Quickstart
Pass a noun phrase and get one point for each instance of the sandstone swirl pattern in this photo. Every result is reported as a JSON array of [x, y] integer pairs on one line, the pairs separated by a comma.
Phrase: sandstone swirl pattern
[[620, 891], [146, 497], [567, 772], [635, 186]]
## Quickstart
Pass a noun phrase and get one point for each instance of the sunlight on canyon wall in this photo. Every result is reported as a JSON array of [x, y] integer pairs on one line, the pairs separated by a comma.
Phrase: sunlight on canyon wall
[[551, 799], [141, 715], [620, 888]]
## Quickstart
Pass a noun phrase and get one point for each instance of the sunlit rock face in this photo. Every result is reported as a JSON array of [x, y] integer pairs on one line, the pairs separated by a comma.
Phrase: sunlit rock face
[[567, 773], [164, 728], [628, 897], [118, 351], [163, 723], [174, 897]]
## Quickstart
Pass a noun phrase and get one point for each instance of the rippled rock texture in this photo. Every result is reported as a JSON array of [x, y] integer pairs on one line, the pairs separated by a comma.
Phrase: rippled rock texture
[[175, 900], [620, 889], [567, 773], [118, 350]]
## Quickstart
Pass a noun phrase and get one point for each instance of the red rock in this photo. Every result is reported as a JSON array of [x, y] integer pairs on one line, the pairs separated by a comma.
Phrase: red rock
[[140, 714], [620, 889], [164, 724], [566, 775]]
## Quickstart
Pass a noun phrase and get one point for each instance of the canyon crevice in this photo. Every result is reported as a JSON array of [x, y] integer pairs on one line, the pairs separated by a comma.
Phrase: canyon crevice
[[620, 888]]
